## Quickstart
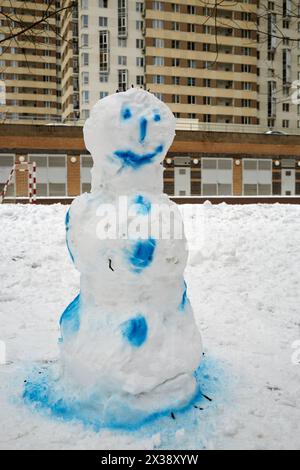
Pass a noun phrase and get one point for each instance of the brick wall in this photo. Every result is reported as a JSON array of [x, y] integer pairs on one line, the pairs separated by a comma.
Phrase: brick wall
[[21, 178], [73, 171], [237, 177]]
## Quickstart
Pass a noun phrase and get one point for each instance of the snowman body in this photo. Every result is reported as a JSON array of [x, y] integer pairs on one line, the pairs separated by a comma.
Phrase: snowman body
[[129, 343]]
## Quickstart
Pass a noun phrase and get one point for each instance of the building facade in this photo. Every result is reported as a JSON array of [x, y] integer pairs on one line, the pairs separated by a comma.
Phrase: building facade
[[279, 65], [29, 66], [229, 67], [203, 63], [198, 164], [109, 51]]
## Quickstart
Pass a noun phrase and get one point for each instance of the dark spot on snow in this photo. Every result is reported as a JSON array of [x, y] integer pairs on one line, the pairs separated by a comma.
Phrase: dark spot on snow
[[110, 265], [173, 416], [207, 398], [273, 389]]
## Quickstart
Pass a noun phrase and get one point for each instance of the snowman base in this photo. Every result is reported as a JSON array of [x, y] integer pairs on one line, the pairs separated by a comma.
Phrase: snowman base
[[47, 392]]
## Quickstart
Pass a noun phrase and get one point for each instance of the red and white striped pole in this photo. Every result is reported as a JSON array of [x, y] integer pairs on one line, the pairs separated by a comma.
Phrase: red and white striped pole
[[34, 182], [30, 182], [4, 191]]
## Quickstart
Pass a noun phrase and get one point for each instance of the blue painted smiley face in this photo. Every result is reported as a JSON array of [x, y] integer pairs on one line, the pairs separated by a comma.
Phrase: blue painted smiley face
[[130, 158]]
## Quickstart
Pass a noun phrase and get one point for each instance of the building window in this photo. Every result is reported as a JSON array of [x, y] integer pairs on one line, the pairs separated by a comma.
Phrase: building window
[[157, 24], [217, 176], [175, 99], [191, 10], [159, 96], [84, 40], [103, 3], [191, 81], [85, 58], [139, 43], [103, 21], [246, 120], [51, 175], [191, 99], [85, 96], [158, 79], [103, 94], [84, 21], [175, 7], [122, 42], [159, 61], [247, 86], [176, 80], [285, 123], [123, 79], [246, 68], [286, 107], [86, 163], [246, 103], [257, 177], [159, 6], [140, 61], [139, 25], [175, 44], [122, 60], [103, 78], [157, 42], [192, 64], [85, 114], [206, 100], [175, 62], [139, 7], [140, 80], [191, 46], [246, 51]]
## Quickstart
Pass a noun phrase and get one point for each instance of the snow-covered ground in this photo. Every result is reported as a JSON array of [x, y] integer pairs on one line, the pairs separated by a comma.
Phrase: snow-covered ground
[[244, 285]]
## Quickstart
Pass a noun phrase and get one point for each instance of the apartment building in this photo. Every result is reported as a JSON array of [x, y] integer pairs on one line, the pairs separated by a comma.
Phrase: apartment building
[[102, 51], [223, 68], [111, 44], [30, 64], [202, 61], [70, 102], [279, 65]]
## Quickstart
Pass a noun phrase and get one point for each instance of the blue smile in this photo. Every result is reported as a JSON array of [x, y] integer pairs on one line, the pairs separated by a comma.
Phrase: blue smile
[[135, 160]]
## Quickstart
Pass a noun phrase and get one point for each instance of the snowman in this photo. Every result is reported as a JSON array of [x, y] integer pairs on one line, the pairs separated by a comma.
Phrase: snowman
[[129, 343]]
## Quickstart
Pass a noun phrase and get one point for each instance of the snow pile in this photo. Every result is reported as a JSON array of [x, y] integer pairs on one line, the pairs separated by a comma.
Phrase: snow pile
[[243, 278]]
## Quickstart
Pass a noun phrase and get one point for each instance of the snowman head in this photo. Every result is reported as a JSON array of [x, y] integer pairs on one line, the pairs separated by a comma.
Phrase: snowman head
[[129, 130]]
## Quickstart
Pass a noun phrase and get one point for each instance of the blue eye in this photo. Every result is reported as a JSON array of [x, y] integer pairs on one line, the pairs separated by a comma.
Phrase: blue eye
[[126, 113], [156, 117]]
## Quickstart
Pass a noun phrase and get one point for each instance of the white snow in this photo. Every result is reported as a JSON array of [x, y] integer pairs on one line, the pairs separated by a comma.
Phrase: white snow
[[243, 278]]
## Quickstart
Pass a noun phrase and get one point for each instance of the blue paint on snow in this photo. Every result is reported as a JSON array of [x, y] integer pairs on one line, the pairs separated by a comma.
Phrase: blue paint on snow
[[135, 331], [44, 394], [144, 205], [67, 223], [70, 319], [184, 299], [135, 160], [141, 255], [126, 114], [157, 117], [143, 129]]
